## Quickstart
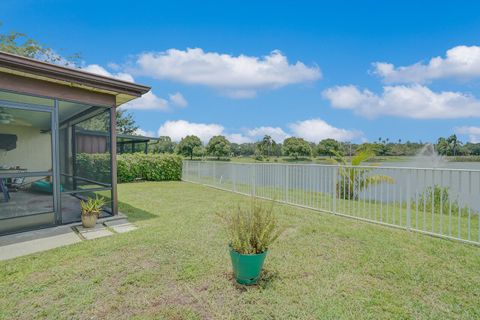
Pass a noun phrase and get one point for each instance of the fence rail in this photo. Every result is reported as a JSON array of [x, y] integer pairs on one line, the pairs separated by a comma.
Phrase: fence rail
[[439, 202]]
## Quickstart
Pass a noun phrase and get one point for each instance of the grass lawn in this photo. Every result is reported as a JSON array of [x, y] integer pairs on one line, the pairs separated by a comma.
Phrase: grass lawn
[[176, 265], [448, 220]]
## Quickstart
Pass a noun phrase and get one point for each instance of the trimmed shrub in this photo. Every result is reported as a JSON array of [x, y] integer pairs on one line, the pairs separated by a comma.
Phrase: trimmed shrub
[[128, 169], [150, 167], [131, 167], [94, 166]]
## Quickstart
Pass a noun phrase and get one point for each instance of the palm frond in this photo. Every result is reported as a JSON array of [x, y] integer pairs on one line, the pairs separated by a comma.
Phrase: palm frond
[[379, 178], [353, 180], [362, 156], [338, 158]]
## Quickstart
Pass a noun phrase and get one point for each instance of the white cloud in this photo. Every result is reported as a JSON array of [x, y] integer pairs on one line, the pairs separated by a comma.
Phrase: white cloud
[[276, 133], [239, 138], [114, 66], [181, 128], [145, 133], [473, 133], [415, 101], [315, 130], [95, 68], [52, 56], [459, 62], [236, 76], [149, 101], [240, 94], [312, 130], [178, 99]]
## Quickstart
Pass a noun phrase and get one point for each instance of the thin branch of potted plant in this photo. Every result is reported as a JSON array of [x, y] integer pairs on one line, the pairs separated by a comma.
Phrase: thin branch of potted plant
[[251, 231], [91, 209]]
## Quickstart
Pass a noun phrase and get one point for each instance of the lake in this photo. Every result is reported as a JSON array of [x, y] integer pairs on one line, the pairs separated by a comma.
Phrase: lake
[[428, 164]]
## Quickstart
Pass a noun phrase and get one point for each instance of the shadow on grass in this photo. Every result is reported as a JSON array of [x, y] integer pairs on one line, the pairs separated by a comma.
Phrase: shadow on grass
[[135, 214], [267, 278]]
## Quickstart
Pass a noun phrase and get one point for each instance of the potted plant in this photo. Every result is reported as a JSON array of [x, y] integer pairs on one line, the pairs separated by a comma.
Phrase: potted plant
[[251, 231], [91, 209]]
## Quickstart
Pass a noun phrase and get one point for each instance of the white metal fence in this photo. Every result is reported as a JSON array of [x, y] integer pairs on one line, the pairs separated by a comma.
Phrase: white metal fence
[[440, 202]]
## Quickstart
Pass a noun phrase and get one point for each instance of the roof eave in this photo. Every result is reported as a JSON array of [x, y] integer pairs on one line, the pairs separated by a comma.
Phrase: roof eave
[[124, 89]]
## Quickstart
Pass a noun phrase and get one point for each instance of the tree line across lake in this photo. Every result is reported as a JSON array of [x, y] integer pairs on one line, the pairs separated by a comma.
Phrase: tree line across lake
[[219, 147]]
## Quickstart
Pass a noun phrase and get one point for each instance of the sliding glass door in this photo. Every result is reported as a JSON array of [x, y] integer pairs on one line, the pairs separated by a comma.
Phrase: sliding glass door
[[27, 197]]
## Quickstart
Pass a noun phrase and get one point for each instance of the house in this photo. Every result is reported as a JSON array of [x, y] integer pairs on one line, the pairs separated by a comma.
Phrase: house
[[89, 141], [43, 107]]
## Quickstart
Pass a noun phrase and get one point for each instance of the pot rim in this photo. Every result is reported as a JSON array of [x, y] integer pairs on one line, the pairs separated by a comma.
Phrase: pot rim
[[246, 254], [93, 213]]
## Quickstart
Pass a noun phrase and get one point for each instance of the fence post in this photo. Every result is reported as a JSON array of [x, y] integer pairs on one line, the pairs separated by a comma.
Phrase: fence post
[[334, 189], [214, 173], [185, 171], [408, 201], [198, 172], [254, 178], [234, 177], [286, 182]]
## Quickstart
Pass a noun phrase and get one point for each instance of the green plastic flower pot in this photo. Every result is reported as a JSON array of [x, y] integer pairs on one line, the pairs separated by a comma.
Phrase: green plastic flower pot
[[247, 267]]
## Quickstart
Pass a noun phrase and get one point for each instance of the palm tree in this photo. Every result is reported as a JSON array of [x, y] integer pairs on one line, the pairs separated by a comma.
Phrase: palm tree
[[453, 143], [352, 181], [266, 145], [442, 146]]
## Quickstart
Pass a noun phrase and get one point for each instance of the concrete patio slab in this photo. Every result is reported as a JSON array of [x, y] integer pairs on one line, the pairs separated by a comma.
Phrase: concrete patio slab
[[24, 243], [111, 223], [122, 228], [32, 242], [120, 225], [34, 234], [99, 231]]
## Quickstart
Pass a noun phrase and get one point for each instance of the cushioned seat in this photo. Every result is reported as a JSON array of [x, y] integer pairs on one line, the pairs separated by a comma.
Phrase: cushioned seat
[[4, 190], [44, 186]]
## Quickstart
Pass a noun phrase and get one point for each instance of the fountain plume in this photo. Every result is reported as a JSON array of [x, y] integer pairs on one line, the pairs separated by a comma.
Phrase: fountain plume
[[428, 157]]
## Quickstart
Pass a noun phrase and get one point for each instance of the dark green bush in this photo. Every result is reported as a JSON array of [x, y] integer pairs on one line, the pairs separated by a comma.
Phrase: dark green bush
[[442, 202], [259, 157], [131, 167], [150, 167], [94, 166]]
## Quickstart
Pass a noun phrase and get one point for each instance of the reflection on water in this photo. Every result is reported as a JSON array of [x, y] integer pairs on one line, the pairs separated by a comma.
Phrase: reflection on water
[[462, 186], [443, 164], [427, 157]]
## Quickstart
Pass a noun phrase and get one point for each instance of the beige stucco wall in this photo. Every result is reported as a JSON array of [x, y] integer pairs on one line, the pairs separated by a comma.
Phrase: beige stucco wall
[[33, 150]]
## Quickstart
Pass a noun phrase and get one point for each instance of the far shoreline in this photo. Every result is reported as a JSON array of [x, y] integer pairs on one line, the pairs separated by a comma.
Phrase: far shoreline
[[328, 160]]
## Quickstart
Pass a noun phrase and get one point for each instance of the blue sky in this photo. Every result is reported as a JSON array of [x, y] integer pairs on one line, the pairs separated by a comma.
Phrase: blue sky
[[246, 68]]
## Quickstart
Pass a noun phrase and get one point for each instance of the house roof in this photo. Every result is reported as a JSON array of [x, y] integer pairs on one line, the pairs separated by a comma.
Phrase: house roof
[[120, 136], [31, 68]]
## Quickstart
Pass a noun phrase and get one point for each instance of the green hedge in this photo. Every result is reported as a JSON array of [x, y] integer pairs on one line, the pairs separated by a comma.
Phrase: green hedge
[[131, 167], [150, 167]]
